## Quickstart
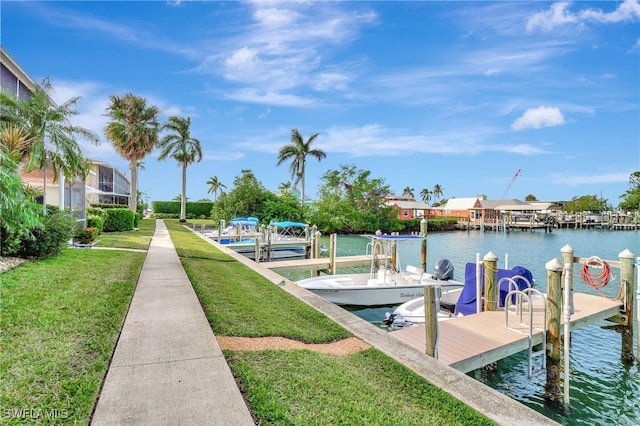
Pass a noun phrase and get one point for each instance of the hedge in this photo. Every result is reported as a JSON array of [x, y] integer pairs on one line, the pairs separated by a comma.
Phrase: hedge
[[118, 220], [194, 208]]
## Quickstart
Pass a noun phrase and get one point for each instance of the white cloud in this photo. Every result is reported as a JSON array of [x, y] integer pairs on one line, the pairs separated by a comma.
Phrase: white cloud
[[555, 16], [536, 118], [243, 64], [275, 17], [559, 14], [288, 47], [258, 96], [377, 140], [331, 81]]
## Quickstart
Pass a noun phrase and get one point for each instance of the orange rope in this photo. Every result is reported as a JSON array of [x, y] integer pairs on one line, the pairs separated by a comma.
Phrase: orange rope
[[599, 280]]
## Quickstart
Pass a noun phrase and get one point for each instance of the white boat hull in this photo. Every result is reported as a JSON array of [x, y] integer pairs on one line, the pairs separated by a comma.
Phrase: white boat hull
[[362, 290]]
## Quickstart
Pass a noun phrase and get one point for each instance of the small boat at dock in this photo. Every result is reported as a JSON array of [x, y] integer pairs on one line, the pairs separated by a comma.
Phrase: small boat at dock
[[385, 284], [461, 301]]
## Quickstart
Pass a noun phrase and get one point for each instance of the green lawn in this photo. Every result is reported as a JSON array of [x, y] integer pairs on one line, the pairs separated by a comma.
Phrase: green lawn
[[59, 323], [137, 239], [300, 387]]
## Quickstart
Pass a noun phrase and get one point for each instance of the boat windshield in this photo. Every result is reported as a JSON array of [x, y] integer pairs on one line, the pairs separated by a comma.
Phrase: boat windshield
[[383, 250]]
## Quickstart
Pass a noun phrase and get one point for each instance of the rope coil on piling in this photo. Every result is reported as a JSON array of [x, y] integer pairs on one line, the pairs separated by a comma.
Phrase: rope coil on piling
[[598, 280]]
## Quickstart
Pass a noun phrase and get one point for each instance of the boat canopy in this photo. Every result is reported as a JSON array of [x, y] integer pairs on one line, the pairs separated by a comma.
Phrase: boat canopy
[[289, 224], [244, 221]]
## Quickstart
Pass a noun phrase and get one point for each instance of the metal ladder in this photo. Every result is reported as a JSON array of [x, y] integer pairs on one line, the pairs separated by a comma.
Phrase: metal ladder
[[523, 301]]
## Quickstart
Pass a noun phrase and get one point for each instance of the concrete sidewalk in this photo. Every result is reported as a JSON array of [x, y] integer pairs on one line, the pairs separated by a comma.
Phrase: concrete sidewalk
[[167, 368]]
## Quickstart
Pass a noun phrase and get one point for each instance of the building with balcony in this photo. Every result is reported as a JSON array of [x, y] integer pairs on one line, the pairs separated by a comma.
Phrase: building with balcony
[[103, 184]]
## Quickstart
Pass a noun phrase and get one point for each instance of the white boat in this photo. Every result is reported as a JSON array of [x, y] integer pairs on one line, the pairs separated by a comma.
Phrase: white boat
[[385, 284], [461, 301], [240, 230]]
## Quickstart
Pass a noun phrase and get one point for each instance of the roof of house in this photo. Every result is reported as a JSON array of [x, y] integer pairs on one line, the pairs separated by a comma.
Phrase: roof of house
[[460, 203], [409, 205], [498, 204]]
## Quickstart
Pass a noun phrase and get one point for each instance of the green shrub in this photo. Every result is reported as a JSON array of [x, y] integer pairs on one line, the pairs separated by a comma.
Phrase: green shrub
[[109, 206], [9, 242], [50, 237], [87, 235], [136, 219], [97, 211], [95, 222], [194, 209], [118, 220]]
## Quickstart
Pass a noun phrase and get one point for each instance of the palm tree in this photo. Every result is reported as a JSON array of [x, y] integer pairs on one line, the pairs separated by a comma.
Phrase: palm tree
[[285, 186], [408, 192], [14, 141], [133, 132], [215, 186], [298, 151], [180, 146], [437, 191], [426, 195], [50, 136]]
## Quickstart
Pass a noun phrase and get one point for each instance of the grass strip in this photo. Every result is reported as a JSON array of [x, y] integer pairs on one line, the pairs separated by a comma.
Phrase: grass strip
[[59, 322], [136, 239], [300, 387], [240, 302]]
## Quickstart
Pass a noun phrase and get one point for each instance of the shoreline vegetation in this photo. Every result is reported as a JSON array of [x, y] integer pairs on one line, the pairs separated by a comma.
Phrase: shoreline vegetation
[[61, 318]]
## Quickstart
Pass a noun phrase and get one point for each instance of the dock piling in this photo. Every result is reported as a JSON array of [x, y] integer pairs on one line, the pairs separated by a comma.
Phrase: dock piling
[[490, 261], [423, 250], [567, 310], [332, 253], [626, 277], [567, 273], [554, 301], [431, 321], [316, 245]]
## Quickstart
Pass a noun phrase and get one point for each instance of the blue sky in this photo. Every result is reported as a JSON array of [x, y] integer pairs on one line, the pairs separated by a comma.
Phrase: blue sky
[[459, 94]]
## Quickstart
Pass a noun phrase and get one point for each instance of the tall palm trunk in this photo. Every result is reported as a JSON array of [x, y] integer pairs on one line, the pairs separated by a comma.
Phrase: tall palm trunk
[[133, 198], [183, 200]]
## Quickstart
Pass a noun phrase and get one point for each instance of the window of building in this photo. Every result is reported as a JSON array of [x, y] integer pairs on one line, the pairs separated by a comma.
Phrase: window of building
[[105, 179]]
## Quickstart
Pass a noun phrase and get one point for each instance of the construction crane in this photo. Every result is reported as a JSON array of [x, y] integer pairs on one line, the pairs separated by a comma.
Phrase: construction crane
[[513, 180]]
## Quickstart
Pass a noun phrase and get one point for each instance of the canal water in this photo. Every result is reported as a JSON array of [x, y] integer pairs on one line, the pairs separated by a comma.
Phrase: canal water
[[603, 390]]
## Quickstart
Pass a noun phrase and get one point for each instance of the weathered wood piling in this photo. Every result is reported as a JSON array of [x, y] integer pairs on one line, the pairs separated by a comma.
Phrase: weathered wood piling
[[554, 302]]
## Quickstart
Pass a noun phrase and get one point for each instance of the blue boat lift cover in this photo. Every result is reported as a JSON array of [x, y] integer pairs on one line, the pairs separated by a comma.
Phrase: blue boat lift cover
[[466, 304]]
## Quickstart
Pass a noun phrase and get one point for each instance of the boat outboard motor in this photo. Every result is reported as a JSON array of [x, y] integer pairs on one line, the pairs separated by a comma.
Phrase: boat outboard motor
[[396, 321], [443, 270]]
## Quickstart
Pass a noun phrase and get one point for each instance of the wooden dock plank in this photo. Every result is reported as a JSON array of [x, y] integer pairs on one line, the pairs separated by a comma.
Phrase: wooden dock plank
[[471, 342]]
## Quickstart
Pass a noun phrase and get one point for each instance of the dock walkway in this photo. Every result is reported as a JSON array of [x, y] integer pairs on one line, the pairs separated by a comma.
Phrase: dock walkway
[[471, 342]]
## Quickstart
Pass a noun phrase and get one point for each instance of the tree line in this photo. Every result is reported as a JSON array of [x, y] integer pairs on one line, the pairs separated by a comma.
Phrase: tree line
[[36, 134]]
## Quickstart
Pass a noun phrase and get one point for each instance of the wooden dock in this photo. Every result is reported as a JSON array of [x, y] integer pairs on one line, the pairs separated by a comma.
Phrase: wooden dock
[[318, 264], [471, 342]]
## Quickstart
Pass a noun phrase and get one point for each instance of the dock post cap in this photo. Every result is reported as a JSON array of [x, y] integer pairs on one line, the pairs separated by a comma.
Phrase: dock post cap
[[566, 249], [553, 265], [490, 256], [627, 254]]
